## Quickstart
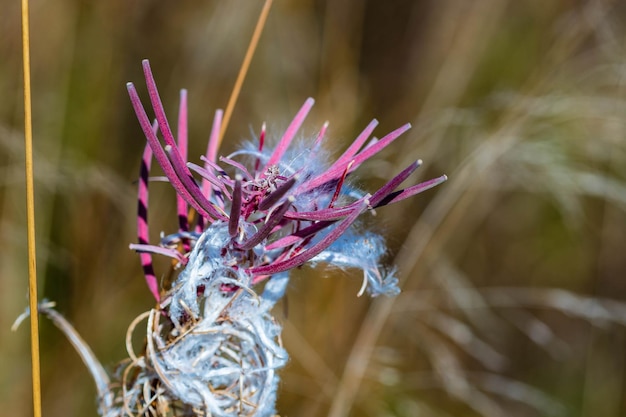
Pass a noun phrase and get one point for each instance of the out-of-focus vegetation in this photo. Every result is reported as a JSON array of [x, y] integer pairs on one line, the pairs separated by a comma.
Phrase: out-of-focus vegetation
[[513, 271]]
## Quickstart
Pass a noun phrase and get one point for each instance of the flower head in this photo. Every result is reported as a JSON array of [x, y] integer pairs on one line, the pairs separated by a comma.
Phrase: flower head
[[259, 213], [275, 212]]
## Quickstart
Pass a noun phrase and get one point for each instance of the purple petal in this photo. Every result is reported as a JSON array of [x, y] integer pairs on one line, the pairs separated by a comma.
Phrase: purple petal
[[331, 213], [320, 135], [357, 144], [207, 209], [290, 133], [267, 228], [276, 195], [237, 165], [299, 236], [235, 210], [210, 177], [335, 172], [159, 250], [181, 204], [142, 221], [411, 191], [155, 99], [388, 188], [211, 152], [158, 151], [316, 249]]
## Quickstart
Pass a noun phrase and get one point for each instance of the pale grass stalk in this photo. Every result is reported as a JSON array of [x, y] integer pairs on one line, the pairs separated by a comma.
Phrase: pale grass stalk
[[30, 214], [244, 68]]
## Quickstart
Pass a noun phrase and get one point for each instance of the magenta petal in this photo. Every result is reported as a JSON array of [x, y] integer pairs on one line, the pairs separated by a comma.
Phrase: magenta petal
[[267, 228], [357, 144], [276, 195], [211, 152], [210, 178], [314, 250], [158, 151], [335, 172], [320, 135], [290, 133], [181, 204], [333, 213], [206, 208], [172, 253], [142, 222], [299, 236], [235, 210], [237, 165], [411, 191], [394, 183], [155, 99]]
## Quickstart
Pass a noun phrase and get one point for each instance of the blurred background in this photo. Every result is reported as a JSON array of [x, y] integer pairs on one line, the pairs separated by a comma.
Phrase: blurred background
[[513, 272]]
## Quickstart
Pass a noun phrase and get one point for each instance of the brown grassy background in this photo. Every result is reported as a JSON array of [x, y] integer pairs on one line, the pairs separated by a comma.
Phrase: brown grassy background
[[521, 103]]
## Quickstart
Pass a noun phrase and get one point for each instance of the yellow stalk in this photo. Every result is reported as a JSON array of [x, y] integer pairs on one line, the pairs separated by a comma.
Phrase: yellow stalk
[[244, 67], [30, 215]]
